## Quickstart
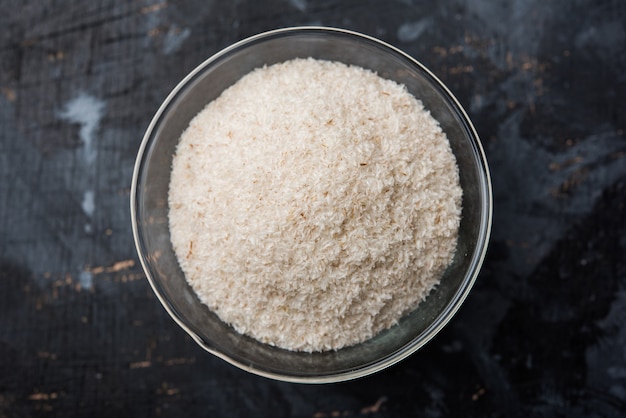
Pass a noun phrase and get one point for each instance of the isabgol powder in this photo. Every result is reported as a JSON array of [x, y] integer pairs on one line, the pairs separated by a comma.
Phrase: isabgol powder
[[313, 204]]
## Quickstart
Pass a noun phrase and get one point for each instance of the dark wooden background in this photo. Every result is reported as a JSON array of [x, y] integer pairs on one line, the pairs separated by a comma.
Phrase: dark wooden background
[[543, 332]]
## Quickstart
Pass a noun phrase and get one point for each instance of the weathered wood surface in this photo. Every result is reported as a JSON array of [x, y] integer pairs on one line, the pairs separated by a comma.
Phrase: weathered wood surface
[[542, 334]]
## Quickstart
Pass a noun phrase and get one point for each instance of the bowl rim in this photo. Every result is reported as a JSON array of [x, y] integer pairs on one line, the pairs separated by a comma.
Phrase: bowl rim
[[451, 307]]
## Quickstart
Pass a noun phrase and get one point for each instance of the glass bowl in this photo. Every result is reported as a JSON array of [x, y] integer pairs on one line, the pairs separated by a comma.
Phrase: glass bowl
[[149, 208]]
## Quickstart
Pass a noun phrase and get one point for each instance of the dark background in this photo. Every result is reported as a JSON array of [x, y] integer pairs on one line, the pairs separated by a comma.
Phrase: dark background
[[542, 334]]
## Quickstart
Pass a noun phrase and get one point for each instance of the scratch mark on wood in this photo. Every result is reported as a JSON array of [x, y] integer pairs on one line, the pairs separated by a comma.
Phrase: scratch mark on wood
[[43, 396], [167, 390], [478, 394], [56, 56], [460, 69], [122, 265], [140, 364], [129, 278], [116, 267], [554, 166], [153, 8], [179, 361], [155, 32], [374, 408]]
